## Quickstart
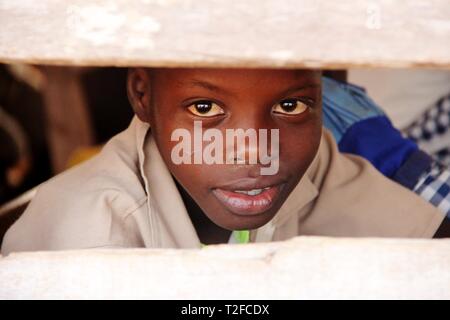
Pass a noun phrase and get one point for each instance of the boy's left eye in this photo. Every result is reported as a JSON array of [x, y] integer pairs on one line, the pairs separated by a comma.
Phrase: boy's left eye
[[290, 107], [205, 109]]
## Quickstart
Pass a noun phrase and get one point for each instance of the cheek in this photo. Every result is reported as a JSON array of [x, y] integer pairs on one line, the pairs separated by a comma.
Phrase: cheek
[[298, 146], [194, 178]]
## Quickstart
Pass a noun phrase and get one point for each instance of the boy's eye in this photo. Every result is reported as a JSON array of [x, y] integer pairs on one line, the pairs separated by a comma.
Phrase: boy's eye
[[205, 109], [290, 107]]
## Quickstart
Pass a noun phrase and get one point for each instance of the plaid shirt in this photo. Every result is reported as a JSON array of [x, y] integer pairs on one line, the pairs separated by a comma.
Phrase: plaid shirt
[[432, 132], [434, 186]]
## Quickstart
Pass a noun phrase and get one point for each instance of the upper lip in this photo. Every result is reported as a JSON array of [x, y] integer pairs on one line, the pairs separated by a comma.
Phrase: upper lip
[[248, 184]]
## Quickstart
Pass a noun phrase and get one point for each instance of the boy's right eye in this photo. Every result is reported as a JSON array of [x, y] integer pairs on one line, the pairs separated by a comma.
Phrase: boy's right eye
[[205, 109]]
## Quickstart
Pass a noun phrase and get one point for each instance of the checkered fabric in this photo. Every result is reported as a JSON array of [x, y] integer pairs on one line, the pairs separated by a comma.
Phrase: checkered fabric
[[434, 186], [432, 133], [432, 130]]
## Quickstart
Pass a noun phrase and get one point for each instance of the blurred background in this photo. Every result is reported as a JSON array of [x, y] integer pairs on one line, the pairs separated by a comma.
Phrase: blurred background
[[52, 118]]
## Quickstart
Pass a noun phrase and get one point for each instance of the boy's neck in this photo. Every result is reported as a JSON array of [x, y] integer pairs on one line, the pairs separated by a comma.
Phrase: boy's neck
[[207, 231]]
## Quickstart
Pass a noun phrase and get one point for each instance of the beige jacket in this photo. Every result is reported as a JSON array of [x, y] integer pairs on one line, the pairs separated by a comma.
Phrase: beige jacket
[[125, 197]]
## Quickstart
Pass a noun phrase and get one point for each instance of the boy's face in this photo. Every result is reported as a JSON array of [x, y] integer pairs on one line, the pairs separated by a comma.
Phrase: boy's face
[[234, 196]]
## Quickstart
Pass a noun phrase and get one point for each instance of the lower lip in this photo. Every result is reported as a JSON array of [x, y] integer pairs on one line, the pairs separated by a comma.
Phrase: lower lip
[[243, 204]]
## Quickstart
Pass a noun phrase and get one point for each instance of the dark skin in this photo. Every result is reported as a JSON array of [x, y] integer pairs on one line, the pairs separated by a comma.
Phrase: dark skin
[[238, 98], [168, 99]]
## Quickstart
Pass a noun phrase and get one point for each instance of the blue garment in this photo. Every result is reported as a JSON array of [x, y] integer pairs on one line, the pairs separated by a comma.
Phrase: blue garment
[[376, 140], [409, 174], [345, 104], [360, 127], [434, 186]]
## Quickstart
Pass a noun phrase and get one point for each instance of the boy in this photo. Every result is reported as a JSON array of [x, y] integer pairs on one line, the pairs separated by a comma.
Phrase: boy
[[135, 195]]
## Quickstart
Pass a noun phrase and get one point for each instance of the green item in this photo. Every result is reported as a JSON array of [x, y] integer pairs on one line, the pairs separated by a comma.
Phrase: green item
[[242, 236]]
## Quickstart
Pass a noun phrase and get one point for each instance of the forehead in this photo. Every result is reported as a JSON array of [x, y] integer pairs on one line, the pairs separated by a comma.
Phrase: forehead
[[233, 79]]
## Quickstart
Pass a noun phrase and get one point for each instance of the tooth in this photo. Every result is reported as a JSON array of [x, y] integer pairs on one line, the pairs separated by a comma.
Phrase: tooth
[[253, 192]]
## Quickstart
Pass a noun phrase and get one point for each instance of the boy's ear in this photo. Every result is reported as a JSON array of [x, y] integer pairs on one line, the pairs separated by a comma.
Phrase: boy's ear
[[139, 93]]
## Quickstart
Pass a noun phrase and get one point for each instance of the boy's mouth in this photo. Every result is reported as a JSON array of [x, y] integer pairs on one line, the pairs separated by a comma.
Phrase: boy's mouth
[[248, 201]]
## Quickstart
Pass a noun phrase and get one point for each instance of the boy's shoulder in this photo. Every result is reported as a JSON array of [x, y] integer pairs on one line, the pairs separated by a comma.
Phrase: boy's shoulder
[[113, 173], [83, 206], [354, 199]]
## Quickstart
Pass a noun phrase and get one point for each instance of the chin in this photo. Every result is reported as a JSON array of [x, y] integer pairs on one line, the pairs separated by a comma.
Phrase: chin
[[240, 222]]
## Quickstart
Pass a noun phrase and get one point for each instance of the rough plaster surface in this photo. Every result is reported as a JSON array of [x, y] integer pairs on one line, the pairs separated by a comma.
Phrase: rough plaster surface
[[252, 33], [302, 268]]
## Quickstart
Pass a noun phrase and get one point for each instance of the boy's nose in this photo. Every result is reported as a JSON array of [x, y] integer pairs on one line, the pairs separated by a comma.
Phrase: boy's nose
[[245, 150], [244, 153]]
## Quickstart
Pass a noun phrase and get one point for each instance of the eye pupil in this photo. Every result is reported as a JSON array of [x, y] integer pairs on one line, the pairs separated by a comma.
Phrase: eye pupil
[[288, 105], [203, 107]]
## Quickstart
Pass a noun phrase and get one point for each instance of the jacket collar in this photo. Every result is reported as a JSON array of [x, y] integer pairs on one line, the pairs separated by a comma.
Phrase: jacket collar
[[166, 208]]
